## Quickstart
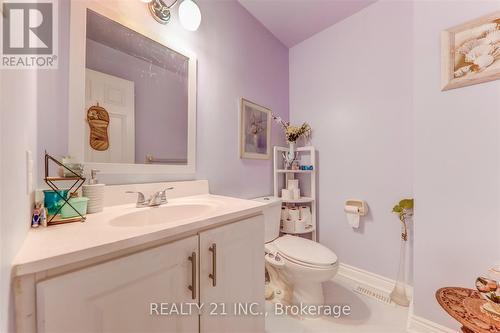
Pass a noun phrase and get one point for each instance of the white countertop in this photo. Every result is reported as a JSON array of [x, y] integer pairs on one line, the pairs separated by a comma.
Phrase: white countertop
[[55, 246]]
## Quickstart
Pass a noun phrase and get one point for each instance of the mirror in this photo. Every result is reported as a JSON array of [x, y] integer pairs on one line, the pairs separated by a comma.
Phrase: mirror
[[141, 88], [138, 98]]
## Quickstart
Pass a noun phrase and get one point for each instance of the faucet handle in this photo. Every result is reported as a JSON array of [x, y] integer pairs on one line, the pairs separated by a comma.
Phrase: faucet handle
[[164, 193], [141, 200]]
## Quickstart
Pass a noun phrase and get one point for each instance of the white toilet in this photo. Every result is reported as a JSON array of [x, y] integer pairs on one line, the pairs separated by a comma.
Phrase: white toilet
[[296, 266]]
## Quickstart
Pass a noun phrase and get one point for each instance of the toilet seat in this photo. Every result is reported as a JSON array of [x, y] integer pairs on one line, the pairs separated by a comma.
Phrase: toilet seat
[[305, 252], [307, 265]]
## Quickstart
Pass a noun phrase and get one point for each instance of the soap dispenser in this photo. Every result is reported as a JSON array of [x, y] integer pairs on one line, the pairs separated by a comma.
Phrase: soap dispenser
[[95, 192]]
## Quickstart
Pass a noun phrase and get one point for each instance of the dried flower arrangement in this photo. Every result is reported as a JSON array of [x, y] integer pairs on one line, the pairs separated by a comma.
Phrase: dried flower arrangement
[[404, 209], [293, 133], [256, 126]]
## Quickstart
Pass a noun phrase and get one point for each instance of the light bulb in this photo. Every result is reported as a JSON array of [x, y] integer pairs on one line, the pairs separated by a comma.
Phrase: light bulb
[[189, 15]]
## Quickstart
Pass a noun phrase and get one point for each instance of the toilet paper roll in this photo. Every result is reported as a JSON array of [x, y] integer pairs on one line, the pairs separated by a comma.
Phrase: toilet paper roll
[[288, 226], [284, 213], [293, 183], [286, 194], [300, 225], [352, 213], [295, 194], [294, 214], [305, 213]]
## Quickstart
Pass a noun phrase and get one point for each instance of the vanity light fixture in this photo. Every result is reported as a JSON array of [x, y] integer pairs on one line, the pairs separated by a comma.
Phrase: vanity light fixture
[[189, 12], [189, 15]]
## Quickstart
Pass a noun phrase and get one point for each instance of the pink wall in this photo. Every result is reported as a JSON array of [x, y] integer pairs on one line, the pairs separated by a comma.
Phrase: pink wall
[[457, 167], [237, 57], [353, 83]]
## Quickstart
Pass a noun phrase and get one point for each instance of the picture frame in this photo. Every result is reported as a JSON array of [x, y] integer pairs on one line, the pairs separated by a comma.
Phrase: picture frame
[[470, 52], [255, 130]]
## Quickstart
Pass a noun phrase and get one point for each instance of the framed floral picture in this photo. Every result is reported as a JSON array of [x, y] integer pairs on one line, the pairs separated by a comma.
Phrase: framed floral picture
[[255, 130], [471, 52]]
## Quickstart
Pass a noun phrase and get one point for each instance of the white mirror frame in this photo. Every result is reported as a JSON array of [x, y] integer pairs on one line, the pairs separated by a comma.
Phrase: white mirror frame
[[76, 107]]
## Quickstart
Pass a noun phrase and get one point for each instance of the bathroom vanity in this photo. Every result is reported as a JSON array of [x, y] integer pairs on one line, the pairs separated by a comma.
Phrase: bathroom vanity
[[132, 111], [124, 268]]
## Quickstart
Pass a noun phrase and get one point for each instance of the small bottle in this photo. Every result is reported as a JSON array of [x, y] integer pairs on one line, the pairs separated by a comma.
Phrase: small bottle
[[36, 217]]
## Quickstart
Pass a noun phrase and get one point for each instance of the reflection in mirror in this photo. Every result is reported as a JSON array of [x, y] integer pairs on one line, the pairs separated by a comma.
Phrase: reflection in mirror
[[136, 97]]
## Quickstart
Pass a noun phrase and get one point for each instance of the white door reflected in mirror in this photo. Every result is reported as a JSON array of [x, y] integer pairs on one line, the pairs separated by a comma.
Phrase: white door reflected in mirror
[[116, 96]]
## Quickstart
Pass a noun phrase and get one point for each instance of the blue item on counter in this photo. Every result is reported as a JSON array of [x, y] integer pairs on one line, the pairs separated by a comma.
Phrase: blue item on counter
[[53, 201]]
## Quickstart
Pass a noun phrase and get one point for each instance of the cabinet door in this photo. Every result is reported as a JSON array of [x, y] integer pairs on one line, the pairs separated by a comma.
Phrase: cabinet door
[[116, 296], [239, 277]]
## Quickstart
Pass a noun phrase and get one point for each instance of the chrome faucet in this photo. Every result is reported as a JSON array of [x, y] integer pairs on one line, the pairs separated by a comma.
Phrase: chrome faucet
[[157, 199]]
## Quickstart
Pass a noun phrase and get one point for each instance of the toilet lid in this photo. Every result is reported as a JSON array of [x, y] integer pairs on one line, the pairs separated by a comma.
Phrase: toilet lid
[[305, 250]]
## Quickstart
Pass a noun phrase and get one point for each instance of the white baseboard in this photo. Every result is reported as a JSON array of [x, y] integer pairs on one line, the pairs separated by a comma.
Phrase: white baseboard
[[418, 324], [370, 279], [415, 323]]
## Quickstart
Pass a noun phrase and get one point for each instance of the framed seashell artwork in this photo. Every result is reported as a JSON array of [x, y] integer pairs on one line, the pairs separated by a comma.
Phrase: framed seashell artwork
[[471, 52]]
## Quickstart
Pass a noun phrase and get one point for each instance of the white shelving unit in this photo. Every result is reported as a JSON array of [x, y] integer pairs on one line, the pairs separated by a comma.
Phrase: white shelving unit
[[307, 182]]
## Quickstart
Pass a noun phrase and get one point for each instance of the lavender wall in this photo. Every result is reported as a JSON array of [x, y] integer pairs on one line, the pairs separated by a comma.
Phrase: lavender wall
[[160, 101], [457, 167], [237, 57], [353, 83], [384, 129], [18, 89]]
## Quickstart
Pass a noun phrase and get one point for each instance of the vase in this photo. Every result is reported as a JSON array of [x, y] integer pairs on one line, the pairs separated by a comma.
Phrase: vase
[[290, 156], [256, 141], [398, 294]]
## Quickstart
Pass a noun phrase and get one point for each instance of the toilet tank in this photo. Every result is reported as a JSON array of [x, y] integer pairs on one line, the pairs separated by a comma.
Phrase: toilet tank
[[272, 215]]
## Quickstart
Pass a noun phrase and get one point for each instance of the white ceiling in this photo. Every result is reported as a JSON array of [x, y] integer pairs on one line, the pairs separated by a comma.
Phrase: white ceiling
[[293, 21]]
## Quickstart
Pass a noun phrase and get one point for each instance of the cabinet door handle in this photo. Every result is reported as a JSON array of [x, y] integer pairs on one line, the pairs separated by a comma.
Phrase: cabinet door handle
[[213, 276], [192, 287]]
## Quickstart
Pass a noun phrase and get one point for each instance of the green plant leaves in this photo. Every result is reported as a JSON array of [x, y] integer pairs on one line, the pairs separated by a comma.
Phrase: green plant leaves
[[397, 209], [406, 204]]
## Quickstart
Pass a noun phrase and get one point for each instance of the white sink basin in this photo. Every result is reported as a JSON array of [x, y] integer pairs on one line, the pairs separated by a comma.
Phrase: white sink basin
[[170, 213]]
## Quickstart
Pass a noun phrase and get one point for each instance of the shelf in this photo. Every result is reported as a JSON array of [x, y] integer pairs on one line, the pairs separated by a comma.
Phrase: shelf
[[294, 171], [62, 178], [301, 200], [306, 156], [299, 233], [305, 149], [59, 220]]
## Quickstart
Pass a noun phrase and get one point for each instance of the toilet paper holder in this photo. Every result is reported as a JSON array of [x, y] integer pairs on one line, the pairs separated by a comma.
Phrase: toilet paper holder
[[360, 204]]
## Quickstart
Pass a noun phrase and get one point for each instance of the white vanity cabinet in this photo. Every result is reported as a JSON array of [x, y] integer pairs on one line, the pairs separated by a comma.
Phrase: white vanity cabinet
[[235, 283], [116, 295]]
